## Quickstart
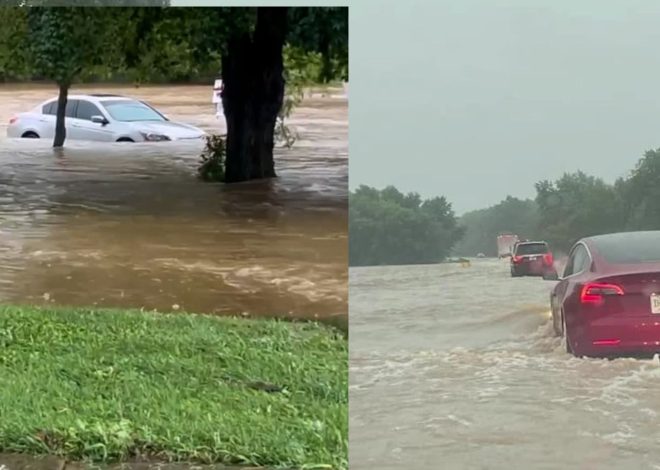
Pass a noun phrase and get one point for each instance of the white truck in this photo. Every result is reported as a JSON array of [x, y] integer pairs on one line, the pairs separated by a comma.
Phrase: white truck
[[505, 243]]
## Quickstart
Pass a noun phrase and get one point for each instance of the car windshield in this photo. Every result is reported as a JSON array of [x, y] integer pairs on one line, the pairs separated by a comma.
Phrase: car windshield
[[131, 111], [630, 248], [531, 249]]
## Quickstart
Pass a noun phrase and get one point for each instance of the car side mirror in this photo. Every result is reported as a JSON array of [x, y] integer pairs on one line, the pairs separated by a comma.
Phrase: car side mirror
[[99, 120]]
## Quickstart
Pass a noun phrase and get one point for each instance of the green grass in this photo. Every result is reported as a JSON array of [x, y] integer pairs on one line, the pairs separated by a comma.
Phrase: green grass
[[109, 385]]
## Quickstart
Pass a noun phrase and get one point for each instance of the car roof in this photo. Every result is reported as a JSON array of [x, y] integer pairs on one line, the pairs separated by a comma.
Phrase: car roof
[[623, 236], [630, 238], [95, 97], [92, 97]]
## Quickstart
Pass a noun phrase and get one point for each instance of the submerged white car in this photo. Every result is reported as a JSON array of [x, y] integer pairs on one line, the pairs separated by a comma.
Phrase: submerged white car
[[102, 117]]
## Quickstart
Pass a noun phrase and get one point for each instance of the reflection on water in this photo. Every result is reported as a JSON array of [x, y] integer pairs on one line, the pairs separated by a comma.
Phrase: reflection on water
[[458, 368], [130, 225]]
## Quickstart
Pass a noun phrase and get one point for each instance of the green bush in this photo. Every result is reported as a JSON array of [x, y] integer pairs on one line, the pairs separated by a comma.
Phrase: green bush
[[213, 159]]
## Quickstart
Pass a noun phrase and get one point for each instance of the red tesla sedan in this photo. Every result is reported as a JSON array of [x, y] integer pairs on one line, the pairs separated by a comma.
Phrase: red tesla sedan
[[607, 303]]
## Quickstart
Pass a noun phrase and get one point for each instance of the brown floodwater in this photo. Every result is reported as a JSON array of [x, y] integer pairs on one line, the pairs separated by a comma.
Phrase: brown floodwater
[[130, 225], [458, 368]]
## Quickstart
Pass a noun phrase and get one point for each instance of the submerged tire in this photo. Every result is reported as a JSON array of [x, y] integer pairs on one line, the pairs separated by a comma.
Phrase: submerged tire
[[564, 332], [555, 326]]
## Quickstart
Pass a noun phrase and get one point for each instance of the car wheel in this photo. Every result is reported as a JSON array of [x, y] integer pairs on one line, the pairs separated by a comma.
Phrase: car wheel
[[30, 135], [556, 329], [564, 332]]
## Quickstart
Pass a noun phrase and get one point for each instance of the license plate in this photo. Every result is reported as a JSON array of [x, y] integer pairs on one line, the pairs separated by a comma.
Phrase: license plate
[[655, 303]]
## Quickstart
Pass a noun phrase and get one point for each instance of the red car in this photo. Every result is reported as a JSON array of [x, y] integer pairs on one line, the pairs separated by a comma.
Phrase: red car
[[607, 303], [531, 259]]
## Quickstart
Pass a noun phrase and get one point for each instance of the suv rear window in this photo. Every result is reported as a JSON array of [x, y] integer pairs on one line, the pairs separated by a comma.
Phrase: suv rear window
[[531, 249]]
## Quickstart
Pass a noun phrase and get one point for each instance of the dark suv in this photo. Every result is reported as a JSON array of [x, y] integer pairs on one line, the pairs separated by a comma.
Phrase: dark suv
[[532, 259]]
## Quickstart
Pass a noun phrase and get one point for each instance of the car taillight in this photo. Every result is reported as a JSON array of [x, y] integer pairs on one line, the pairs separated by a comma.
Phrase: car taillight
[[547, 258], [593, 293]]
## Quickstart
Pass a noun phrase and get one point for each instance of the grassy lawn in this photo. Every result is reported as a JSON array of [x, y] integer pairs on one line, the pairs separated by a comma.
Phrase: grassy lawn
[[113, 385]]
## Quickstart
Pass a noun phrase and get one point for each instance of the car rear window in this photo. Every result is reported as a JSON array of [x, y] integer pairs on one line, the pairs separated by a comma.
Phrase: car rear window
[[531, 249], [630, 248]]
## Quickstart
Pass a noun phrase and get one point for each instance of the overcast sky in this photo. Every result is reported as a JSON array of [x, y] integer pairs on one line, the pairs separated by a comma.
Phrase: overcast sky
[[475, 100]]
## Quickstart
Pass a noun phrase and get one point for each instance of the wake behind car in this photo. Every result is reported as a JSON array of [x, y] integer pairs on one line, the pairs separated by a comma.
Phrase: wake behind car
[[102, 117], [531, 258], [607, 303]]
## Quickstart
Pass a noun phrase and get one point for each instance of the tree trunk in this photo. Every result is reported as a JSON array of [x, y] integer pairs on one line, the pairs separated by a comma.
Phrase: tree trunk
[[60, 129], [253, 77]]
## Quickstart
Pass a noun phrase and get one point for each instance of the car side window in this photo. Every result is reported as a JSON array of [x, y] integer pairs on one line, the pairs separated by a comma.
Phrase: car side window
[[86, 110], [578, 261], [568, 269], [71, 108], [581, 259], [49, 108]]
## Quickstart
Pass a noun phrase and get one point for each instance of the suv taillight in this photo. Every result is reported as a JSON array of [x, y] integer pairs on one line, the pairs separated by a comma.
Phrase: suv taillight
[[593, 292]]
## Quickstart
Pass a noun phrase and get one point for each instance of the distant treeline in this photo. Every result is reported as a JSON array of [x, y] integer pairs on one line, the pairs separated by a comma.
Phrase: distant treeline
[[388, 227], [169, 45], [574, 206]]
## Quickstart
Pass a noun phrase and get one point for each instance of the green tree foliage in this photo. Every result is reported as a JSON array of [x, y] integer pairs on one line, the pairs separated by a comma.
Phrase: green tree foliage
[[84, 3], [388, 227], [13, 51], [576, 206], [68, 41], [512, 215], [166, 45], [325, 31], [179, 44], [640, 193], [64, 43]]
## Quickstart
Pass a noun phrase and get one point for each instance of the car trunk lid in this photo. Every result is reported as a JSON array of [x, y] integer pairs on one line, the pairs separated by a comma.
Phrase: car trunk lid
[[634, 293]]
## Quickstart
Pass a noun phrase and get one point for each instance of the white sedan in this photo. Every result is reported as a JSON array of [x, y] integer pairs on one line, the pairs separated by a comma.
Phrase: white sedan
[[102, 117]]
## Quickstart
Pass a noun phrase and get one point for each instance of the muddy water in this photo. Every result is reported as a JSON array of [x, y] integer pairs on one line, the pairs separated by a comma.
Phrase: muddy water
[[129, 225], [458, 368]]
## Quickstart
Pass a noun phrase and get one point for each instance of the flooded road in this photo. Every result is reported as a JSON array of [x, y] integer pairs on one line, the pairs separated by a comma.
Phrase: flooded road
[[458, 368], [129, 225]]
